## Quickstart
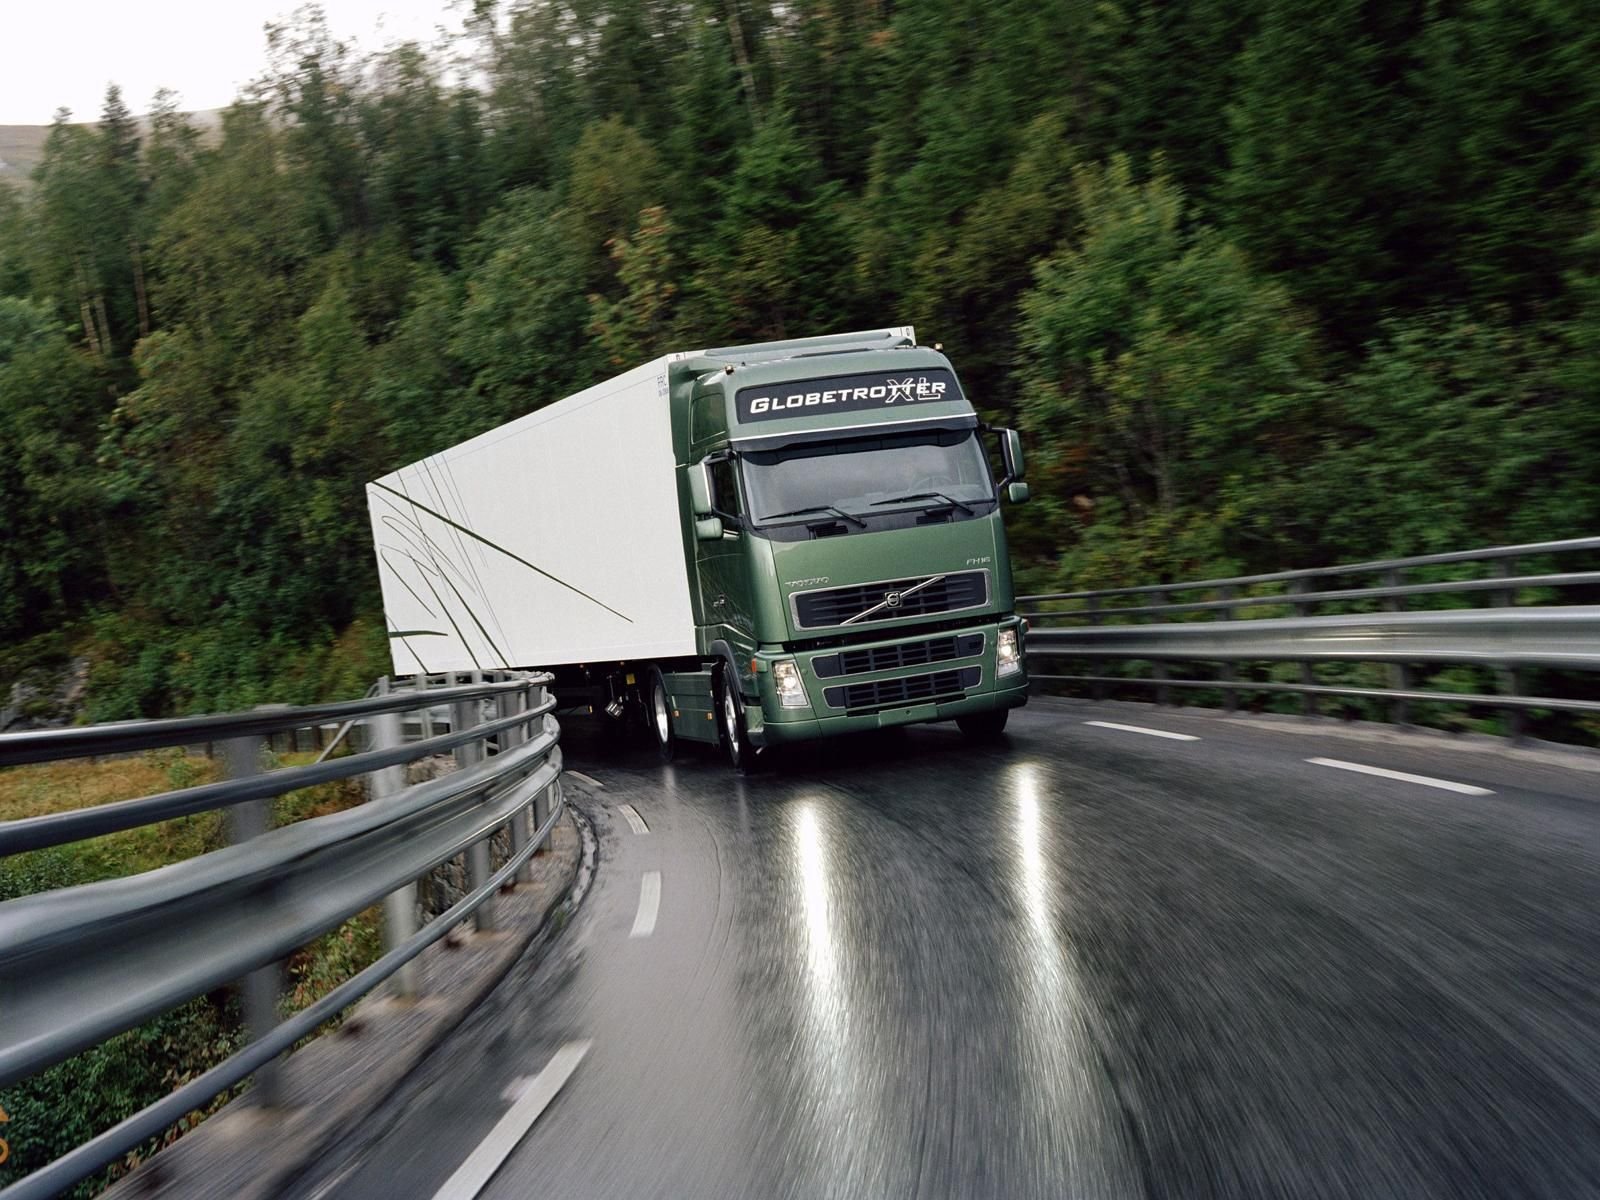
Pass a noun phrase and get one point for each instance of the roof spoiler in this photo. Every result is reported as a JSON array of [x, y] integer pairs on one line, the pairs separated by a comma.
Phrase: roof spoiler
[[768, 352]]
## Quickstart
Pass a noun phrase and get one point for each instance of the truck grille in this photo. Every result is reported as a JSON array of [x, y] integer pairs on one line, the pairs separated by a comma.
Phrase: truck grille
[[893, 693], [890, 658], [915, 597]]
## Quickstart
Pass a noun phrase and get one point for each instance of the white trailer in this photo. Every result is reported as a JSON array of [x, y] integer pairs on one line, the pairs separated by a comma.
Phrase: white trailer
[[752, 545], [500, 553]]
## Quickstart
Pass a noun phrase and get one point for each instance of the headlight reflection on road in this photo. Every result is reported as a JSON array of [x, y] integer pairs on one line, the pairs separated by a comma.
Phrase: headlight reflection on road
[[835, 1090], [1053, 1017], [809, 855], [1037, 889], [1030, 854]]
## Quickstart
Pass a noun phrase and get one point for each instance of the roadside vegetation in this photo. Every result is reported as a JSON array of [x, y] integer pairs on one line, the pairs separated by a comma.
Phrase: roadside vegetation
[[65, 1105], [1268, 284]]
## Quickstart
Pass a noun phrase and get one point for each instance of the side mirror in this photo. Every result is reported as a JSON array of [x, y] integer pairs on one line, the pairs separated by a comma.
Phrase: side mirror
[[700, 491], [1011, 451], [708, 529], [1017, 491]]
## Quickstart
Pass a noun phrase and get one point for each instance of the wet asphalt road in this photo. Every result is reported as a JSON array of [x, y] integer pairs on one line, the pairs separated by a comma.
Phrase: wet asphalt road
[[1083, 962]]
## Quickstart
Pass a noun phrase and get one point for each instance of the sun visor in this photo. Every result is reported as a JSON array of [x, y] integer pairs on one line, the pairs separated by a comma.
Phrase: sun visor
[[833, 432]]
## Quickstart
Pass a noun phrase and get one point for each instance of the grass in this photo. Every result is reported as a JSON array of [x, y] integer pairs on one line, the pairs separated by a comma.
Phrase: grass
[[43, 788]]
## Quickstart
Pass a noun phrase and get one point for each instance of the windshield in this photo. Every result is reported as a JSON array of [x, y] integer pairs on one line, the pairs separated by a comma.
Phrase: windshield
[[930, 468]]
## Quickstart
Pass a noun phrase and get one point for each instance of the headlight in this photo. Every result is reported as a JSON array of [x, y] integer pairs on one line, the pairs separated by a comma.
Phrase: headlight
[[786, 678], [1007, 656]]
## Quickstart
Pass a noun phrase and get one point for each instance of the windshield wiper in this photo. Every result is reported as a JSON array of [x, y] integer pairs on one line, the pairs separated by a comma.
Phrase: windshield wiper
[[948, 501], [812, 508]]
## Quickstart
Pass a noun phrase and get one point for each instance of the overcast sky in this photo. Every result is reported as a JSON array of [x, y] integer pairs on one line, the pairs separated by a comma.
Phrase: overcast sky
[[57, 52]]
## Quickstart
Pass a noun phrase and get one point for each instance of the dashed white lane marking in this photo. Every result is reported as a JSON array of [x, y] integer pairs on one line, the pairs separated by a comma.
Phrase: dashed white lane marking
[[1466, 789], [512, 1092], [589, 779], [635, 821], [1177, 737], [483, 1162], [644, 921]]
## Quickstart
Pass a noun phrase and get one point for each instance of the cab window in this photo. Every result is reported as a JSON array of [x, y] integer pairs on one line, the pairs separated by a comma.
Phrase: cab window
[[725, 490]]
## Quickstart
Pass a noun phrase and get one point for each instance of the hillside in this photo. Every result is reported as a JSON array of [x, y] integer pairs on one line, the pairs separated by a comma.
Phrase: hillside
[[1263, 286], [22, 146]]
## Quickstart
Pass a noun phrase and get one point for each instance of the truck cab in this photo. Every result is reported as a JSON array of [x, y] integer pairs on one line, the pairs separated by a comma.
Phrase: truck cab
[[850, 569]]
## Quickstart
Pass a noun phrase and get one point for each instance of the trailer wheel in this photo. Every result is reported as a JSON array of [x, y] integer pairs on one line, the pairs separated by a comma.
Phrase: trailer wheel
[[735, 737], [658, 715]]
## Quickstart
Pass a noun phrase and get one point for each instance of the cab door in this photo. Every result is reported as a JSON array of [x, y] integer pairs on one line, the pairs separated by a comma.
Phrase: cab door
[[722, 567]]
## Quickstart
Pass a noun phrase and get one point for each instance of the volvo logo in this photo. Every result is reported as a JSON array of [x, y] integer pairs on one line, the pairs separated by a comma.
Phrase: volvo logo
[[893, 600]]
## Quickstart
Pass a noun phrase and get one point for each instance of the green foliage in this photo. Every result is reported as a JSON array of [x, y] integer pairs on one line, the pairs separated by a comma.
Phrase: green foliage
[[520, 334], [63, 1106], [614, 175], [635, 327], [774, 263], [51, 398], [1268, 284], [968, 274], [1167, 380], [1454, 432], [15, 265], [1320, 143]]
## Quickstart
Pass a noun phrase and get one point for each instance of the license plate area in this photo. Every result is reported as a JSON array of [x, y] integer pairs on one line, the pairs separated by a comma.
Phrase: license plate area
[[905, 716]]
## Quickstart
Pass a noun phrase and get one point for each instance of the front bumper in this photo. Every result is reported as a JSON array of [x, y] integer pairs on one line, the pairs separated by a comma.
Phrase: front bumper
[[825, 716]]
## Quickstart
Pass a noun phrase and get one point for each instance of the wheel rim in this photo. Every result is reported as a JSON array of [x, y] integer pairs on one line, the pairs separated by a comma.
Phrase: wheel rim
[[663, 721], [730, 722]]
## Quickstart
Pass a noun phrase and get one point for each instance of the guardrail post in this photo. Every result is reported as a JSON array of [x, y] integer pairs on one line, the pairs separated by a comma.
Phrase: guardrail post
[[1308, 700], [1230, 701], [506, 705], [1096, 689], [1158, 667], [400, 905], [424, 717], [534, 697], [463, 716], [1507, 679], [1399, 673], [260, 988]]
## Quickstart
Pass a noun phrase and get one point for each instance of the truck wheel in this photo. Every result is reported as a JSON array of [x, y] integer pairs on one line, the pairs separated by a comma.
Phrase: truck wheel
[[984, 726], [735, 737], [658, 715]]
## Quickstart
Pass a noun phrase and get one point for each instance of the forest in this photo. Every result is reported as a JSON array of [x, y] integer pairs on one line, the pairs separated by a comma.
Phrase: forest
[[1266, 284]]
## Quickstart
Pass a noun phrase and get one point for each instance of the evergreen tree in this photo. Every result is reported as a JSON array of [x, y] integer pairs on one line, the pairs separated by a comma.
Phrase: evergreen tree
[[1165, 380], [75, 244], [1321, 155], [775, 267], [614, 174], [16, 271], [1511, 101], [52, 397], [520, 334]]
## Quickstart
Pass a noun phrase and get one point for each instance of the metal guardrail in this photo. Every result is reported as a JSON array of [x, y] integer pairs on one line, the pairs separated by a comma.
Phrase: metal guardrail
[[80, 964], [1506, 638]]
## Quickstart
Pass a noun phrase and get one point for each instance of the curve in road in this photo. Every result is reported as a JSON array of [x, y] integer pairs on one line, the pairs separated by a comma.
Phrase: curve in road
[[1086, 961]]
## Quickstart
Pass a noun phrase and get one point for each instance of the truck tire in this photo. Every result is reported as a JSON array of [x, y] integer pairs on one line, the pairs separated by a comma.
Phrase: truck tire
[[984, 726], [658, 715], [733, 734]]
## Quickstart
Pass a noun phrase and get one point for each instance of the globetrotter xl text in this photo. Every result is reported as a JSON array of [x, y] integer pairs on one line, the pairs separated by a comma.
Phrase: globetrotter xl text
[[850, 392]]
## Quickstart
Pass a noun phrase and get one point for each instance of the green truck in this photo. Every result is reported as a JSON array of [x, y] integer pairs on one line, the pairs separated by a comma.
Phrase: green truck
[[747, 546]]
